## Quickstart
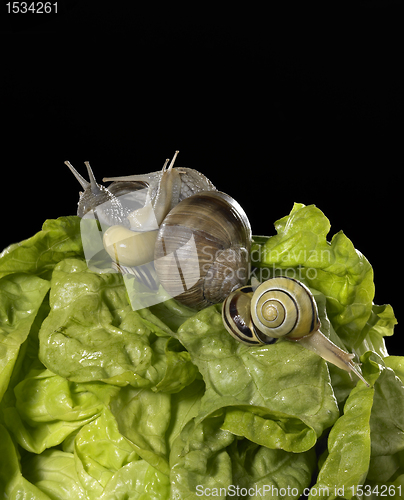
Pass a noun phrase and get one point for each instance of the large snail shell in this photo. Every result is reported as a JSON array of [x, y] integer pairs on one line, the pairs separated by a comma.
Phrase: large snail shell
[[202, 249]]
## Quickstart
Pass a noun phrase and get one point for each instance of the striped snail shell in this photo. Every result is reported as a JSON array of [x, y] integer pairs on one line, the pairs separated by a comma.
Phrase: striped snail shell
[[284, 306], [237, 318], [279, 307], [202, 249]]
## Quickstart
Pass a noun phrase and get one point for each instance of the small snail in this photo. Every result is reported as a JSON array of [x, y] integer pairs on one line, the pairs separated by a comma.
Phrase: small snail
[[281, 307], [198, 237]]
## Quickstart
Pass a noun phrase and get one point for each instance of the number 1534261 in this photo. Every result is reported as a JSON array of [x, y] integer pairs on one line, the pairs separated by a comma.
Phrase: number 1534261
[[32, 7]]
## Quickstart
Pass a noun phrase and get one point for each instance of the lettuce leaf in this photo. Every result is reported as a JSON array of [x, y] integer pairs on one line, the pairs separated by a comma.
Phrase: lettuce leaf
[[271, 473], [13, 485], [199, 459], [380, 324], [366, 444], [283, 387], [54, 474], [349, 443], [109, 468], [92, 327], [48, 408], [208, 460], [59, 239], [101, 466], [21, 296], [334, 268], [135, 411]]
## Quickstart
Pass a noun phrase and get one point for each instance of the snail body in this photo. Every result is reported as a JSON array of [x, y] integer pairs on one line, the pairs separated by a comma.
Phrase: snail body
[[129, 248], [281, 307]]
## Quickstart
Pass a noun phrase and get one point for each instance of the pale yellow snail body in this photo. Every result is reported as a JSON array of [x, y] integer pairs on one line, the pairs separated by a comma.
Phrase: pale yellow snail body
[[134, 245], [281, 307], [129, 248]]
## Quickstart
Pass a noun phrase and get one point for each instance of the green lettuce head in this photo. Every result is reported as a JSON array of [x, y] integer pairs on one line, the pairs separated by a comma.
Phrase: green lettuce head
[[99, 400]]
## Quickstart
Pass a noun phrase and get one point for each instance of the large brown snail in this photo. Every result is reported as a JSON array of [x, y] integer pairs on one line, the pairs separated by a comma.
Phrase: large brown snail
[[198, 237], [281, 307]]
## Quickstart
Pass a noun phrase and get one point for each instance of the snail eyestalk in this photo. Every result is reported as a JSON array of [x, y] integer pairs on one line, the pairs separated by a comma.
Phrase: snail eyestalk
[[168, 191], [84, 184], [173, 160], [317, 342]]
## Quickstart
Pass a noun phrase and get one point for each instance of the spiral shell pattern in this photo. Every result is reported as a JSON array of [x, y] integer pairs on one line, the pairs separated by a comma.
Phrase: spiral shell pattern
[[203, 241], [236, 314], [284, 306]]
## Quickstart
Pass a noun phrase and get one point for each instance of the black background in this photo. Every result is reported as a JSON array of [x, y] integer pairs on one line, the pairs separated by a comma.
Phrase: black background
[[289, 103]]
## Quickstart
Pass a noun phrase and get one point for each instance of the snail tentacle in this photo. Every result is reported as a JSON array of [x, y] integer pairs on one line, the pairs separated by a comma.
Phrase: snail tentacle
[[165, 164], [95, 188], [95, 195], [173, 160], [168, 191], [84, 184]]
